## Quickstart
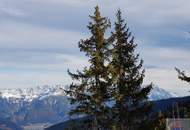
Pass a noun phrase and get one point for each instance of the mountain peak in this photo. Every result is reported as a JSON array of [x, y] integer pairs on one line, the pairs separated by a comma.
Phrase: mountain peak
[[158, 93]]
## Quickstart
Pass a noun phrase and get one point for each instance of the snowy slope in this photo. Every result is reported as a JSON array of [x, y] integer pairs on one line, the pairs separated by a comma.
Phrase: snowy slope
[[159, 93], [29, 94]]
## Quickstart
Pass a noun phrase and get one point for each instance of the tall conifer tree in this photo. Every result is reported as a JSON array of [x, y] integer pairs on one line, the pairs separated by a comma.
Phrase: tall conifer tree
[[91, 90], [131, 105]]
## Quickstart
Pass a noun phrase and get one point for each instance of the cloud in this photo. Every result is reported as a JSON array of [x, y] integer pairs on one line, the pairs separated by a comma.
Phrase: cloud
[[29, 69], [26, 36], [24, 80], [39, 38], [42, 61], [167, 79], [11, 12], [166, 57]]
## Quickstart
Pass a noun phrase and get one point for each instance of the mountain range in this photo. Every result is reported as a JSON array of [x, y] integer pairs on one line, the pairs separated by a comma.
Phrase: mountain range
[[46, 104]]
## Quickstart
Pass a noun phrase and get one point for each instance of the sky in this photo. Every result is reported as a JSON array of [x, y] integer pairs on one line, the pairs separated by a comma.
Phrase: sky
[[39, 39]]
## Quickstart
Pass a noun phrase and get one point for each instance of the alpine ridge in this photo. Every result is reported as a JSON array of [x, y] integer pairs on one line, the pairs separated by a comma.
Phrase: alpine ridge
[[37, 105]]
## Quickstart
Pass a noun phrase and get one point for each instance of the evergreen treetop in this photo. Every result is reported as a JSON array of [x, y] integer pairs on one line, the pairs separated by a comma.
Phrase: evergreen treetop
[[131, 107], [91, 92]]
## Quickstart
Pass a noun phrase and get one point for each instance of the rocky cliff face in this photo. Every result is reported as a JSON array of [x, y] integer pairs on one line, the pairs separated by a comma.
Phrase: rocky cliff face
[[34, 105]]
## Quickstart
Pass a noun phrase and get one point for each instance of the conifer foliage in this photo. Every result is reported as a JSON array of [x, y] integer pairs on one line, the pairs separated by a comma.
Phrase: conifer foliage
[[131, 107], [182, 75], [91, 91], [110, 90]]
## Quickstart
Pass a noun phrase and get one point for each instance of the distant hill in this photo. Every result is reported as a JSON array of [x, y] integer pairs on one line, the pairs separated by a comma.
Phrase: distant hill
[[160, 105], [68, 124], [165, 104]]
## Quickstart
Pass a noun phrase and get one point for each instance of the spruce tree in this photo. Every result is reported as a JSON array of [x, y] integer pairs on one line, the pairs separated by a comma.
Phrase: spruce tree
[[131, 106], [91, 92], [182, 75]]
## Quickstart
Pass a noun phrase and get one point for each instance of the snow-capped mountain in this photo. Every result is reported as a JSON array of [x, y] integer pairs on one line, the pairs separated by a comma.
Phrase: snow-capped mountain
[[46, 104], [29, 94], [34, 105], [159, 93], [41, 92]]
